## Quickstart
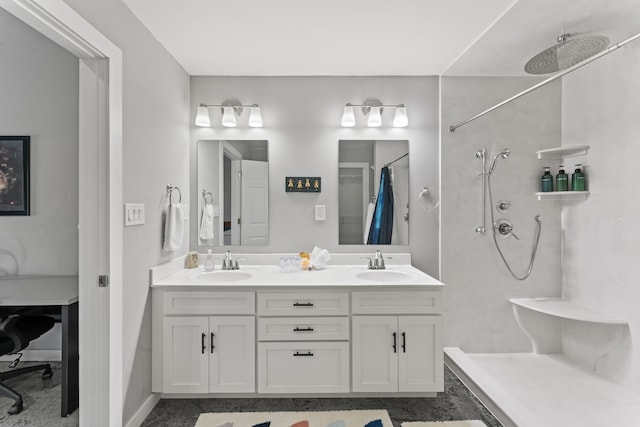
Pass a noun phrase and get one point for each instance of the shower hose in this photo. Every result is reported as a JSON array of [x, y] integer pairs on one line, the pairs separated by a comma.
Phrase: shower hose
[[495, 240]]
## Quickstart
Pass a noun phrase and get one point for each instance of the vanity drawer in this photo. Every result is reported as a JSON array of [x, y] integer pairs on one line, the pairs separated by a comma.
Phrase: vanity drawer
[[310, 367], [303, 303], [303, 328], [208, 302], [399, 302]]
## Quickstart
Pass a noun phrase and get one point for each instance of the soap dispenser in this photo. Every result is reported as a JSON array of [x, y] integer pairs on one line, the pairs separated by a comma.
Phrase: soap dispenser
[[562, 180], [208, 261], [547, 180], [578, 180]]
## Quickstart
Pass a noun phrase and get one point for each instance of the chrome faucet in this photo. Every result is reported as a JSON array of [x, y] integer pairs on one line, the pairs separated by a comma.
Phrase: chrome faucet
[[227, 262], [377, 263]]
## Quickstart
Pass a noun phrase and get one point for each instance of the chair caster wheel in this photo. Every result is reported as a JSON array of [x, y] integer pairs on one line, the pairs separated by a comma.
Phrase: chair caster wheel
[[47, 373], [16, 408]]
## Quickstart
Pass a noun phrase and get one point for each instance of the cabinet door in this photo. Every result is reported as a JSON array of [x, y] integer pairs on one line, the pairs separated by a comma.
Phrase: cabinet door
[[232, 350], [375, 362], [186, 359], [420, 364]]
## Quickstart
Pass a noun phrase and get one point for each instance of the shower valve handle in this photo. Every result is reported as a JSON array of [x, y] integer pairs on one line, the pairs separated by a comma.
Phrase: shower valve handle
[[507, 230]]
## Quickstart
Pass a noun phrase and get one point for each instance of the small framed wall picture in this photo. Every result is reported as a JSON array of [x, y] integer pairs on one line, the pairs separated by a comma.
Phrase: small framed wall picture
[[14, 175]]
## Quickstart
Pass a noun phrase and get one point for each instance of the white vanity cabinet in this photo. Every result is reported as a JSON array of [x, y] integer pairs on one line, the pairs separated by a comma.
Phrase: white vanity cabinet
[[207, 342], [303, 342], [334, 335], [396, 342]]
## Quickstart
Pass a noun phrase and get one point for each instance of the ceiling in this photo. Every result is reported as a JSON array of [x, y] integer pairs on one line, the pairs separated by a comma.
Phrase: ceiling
[[317, 37], [374, 37]]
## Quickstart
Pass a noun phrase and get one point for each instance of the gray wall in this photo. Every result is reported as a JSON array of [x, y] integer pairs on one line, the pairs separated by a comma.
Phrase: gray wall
[[479, 317], [39, 93], [601, 106], [302, 123], [155, 153]]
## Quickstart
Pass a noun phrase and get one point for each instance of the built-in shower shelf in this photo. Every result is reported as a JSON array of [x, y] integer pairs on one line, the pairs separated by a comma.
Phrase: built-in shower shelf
[[566, 309], [562, 195], [562, 152]]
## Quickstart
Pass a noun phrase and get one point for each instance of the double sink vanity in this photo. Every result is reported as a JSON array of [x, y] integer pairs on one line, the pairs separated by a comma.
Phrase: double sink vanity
[[344, 329]]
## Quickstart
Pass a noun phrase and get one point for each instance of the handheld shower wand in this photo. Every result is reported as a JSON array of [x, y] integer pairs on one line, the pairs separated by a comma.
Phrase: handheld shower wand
[[504, 153]]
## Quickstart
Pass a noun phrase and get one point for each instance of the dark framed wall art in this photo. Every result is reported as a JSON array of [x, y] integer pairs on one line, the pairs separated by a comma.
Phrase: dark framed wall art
[[14, 175]]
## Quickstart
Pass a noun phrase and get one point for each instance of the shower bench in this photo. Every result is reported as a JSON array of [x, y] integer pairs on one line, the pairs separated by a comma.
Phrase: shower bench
[[556, 384]]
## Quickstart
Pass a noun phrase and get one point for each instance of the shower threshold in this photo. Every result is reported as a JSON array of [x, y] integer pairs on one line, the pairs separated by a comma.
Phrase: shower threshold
[[527, 389]]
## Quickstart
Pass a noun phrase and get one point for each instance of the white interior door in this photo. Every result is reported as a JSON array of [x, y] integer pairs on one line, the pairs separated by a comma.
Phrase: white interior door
[[255, 203]]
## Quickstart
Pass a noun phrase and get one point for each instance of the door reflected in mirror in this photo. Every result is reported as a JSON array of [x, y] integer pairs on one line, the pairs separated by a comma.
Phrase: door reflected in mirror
[[233, 189], [373, 192]]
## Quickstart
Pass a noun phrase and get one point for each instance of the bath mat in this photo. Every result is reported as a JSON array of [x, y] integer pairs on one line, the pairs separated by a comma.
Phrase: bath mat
[[466, 423], [375, 418]]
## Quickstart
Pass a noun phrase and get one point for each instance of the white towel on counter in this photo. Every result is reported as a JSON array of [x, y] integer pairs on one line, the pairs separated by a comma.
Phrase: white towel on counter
[[173, 228], [206, 223], [367, 222]]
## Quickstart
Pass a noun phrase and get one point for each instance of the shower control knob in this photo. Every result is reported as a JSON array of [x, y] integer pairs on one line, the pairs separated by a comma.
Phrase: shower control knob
[[503, 205]]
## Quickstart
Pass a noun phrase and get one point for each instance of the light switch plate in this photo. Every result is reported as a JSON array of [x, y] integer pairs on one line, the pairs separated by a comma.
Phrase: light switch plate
[[320, 213], [133, 214]]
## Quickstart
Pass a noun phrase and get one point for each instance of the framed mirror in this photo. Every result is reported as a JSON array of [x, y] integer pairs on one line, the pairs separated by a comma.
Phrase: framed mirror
[[233, 190], [373, 192]]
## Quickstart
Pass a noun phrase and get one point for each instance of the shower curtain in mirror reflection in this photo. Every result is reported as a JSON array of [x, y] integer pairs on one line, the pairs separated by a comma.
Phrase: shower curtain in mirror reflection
[[382, 223]]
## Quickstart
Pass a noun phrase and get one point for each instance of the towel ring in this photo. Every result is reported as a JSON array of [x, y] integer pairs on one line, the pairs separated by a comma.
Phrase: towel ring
[[170, 189], [423, 195]]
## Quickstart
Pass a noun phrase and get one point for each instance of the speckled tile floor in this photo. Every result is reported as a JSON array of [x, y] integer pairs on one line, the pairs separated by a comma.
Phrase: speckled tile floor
[[41, 400], [455, 403]]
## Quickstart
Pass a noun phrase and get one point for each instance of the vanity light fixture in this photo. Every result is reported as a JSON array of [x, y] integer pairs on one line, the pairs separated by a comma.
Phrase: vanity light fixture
[[230, 112], [372, 109]]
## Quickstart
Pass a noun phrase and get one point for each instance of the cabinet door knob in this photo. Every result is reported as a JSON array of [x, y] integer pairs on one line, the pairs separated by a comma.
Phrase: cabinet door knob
[[204, 346], [212, 346], [394, 343]]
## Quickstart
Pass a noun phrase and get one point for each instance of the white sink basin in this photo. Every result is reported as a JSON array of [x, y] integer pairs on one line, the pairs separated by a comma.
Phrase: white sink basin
[[220, 276], [384, 276]]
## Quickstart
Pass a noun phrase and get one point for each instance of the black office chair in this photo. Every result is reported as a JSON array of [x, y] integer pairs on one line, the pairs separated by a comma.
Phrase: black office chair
[[15, 334]]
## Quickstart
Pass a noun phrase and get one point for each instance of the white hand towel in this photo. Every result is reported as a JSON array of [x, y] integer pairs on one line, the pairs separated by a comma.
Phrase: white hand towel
[[367, 222], [173, 228], [206, 224]]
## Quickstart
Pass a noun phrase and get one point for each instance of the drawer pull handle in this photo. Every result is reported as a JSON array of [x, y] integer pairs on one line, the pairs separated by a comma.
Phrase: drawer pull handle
[[298, 354], [212, 346], [404, 342], [303, 304], [394, 343], [204, 347], [298, 329]]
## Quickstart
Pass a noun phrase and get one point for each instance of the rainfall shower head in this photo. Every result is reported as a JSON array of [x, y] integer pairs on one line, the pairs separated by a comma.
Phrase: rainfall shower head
[[504, 153], [568, 52]]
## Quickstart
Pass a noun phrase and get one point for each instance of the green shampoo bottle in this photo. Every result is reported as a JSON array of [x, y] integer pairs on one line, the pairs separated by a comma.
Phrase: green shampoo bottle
[[562, 180], [547, 180], [578, 182]]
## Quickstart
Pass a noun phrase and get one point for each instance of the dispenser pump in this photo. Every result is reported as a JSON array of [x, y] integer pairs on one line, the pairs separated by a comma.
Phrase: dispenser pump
[[208, 261]]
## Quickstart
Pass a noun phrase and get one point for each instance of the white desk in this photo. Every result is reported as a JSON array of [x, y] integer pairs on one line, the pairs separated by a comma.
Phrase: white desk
[[56, 295]]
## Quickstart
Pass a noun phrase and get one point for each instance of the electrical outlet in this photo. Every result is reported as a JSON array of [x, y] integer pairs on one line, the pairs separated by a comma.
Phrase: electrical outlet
[[320, 213], [133, 214]]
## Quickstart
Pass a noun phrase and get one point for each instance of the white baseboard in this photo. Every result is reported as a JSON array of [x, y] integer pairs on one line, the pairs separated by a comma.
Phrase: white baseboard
[[35, 356], [144, 410]]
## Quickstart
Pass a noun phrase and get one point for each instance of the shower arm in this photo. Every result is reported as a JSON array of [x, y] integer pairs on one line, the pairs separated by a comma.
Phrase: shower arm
[[452, 128]]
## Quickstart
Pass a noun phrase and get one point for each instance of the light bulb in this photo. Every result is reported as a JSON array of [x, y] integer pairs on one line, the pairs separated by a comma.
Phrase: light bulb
[[255, 118], [400, 119], [202, 117], [228, 117], [348, 117], [375, 118]]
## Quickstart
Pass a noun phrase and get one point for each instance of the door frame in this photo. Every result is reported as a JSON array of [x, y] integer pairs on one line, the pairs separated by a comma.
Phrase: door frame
[[100, 202]]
